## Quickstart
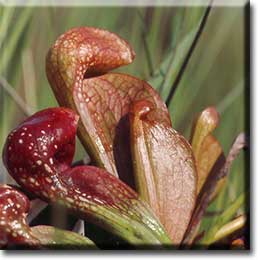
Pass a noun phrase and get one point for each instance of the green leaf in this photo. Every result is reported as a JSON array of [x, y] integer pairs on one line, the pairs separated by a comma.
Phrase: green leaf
[[57, 238]]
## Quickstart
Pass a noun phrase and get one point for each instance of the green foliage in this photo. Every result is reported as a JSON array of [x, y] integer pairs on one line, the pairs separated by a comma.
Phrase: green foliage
[[57, 238]]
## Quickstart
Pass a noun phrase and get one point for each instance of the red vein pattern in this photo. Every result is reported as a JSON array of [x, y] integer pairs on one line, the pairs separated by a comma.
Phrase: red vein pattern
[[76, 65], [165, 168]]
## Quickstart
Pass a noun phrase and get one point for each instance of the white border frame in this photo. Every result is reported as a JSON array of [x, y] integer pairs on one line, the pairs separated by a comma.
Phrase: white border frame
[[255, 134], [123, 2]]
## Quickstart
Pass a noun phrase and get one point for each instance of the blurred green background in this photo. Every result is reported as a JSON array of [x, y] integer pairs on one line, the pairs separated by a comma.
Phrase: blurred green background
[[161, 38]]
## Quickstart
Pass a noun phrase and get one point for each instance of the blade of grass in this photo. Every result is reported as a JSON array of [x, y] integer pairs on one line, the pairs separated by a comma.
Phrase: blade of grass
[[13, 37], [28, 69], [222, 219], [207, 74], [146, 44], [6, 16], [186, 60], [170, 67], [11, 48], [233, 94], [25, 108], [228, 229]]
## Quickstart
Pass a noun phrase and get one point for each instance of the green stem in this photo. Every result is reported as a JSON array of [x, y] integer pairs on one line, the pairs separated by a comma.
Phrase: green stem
[[131, 229], [229, 228]]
